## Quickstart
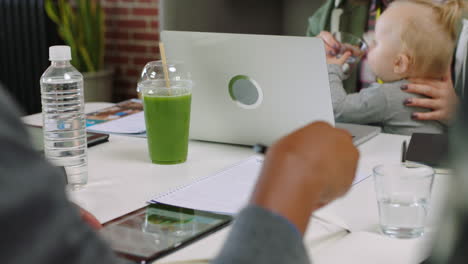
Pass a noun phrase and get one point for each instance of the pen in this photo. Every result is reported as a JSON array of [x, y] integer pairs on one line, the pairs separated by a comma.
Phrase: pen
[[403, 152], [260, 148]]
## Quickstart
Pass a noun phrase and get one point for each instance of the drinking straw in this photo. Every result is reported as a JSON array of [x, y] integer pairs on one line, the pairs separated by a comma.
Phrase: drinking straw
[[164, 64]]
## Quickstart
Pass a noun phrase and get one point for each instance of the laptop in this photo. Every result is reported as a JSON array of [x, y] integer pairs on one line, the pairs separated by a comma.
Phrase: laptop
[[251, 89], [360, 133]]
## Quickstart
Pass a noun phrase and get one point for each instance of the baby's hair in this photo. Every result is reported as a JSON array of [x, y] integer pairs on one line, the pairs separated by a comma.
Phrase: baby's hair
[[430, 41], [448, 13]]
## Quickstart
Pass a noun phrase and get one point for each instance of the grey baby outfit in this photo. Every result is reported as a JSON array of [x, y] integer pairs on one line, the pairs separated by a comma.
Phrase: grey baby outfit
[[380, 103]]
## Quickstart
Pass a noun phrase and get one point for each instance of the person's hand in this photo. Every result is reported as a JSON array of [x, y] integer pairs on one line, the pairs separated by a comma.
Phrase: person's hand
[[332, 46], [442, 98], [305, 170], [338, 60], [90, 219], [333, 49]]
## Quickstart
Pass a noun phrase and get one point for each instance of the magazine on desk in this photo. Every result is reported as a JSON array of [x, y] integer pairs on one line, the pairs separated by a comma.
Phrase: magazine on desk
[[126, 117]]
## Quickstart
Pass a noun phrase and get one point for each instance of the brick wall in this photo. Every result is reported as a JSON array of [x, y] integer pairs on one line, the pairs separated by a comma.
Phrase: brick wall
[[132, 35]]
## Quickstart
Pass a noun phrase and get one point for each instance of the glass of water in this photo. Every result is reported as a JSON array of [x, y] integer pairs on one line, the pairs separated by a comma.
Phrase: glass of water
[[403, 196], [356, 45]]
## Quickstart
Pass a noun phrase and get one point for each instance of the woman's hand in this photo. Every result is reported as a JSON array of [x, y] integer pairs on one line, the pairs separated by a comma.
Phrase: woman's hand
[[442, 99]]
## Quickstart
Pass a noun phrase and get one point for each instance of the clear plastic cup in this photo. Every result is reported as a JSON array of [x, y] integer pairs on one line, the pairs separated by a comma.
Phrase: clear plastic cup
[[167, 107]]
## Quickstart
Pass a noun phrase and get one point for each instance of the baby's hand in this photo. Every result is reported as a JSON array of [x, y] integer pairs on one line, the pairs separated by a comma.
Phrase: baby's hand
[[330, 43], [333, 59]]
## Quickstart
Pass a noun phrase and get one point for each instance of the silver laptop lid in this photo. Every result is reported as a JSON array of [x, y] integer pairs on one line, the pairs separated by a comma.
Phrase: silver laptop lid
[[252, 89]]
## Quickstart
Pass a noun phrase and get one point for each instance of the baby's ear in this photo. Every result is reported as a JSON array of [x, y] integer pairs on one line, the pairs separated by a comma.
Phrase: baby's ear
[[401, 64]]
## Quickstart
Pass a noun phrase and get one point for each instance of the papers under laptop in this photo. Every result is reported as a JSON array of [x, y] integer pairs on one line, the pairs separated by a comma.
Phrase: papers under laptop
[[126, 117], [131, 124]]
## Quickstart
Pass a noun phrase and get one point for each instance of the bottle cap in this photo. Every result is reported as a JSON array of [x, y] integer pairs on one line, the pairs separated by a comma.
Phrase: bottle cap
[[60, 53]]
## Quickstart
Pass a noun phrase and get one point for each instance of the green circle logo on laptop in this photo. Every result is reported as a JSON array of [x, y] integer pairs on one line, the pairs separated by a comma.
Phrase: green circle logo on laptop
[[245, 92]]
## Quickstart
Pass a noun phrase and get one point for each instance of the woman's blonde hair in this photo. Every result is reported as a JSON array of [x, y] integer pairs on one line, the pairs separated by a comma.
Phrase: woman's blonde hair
[[429, 42]]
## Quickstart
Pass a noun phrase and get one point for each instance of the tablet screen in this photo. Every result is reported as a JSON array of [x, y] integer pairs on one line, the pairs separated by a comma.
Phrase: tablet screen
[[159, 229]]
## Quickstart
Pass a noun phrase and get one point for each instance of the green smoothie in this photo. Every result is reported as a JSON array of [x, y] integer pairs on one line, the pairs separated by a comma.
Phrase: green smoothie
[[167, 127]]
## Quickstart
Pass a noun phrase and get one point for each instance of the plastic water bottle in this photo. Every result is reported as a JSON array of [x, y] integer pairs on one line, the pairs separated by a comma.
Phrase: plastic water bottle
[[63, 116]]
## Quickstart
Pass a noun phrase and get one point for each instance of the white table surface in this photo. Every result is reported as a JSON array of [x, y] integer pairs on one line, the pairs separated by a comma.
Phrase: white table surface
[[122, 178]]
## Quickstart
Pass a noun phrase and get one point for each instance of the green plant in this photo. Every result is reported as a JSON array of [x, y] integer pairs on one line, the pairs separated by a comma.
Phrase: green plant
[[81, 26]]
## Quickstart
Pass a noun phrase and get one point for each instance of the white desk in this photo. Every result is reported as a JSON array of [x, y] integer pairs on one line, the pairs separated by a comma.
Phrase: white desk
[[122, 179]]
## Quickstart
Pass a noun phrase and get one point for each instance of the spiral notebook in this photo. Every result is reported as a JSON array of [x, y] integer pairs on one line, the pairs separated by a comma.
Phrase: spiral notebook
[[224, 192], [227, 191]]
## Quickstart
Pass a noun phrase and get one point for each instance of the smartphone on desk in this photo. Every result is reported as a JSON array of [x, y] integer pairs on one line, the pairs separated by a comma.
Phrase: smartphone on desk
[[37, 138], [159, 229]]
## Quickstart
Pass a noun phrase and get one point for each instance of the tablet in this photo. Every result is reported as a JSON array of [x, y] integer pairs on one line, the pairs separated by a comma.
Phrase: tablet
[[159, 229], [37, 137]]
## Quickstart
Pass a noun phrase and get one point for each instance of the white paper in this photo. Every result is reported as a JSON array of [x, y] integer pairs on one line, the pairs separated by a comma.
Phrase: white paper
[[131, 124], [361, 174], [225, 192]]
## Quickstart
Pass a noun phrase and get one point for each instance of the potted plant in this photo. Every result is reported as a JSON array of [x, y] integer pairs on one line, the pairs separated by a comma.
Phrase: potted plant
[[80, 24]]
